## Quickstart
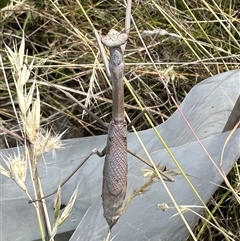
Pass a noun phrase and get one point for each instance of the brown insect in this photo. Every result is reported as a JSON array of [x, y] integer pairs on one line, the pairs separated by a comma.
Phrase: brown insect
[[115, 166]]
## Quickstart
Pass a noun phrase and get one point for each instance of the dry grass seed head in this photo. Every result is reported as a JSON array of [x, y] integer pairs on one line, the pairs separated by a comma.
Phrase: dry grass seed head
[[54, 142], [32, 122], [45, 142], [21, 74], [17, 169], [68, 209]]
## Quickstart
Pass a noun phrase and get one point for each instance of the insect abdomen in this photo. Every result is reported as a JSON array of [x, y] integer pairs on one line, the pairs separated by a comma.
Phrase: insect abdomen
[[115, 167]]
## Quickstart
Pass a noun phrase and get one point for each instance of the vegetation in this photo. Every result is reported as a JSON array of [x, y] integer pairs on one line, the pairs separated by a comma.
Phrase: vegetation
[[195, 40]]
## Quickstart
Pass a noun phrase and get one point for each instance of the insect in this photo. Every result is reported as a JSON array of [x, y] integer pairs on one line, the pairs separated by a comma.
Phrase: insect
[[115, 166]]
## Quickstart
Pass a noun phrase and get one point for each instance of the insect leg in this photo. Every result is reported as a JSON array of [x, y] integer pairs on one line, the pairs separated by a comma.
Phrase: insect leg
[[94, 151], [150, 165]]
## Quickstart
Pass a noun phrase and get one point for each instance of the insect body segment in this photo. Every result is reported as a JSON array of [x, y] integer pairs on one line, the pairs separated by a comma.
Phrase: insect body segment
[[116, 158]]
